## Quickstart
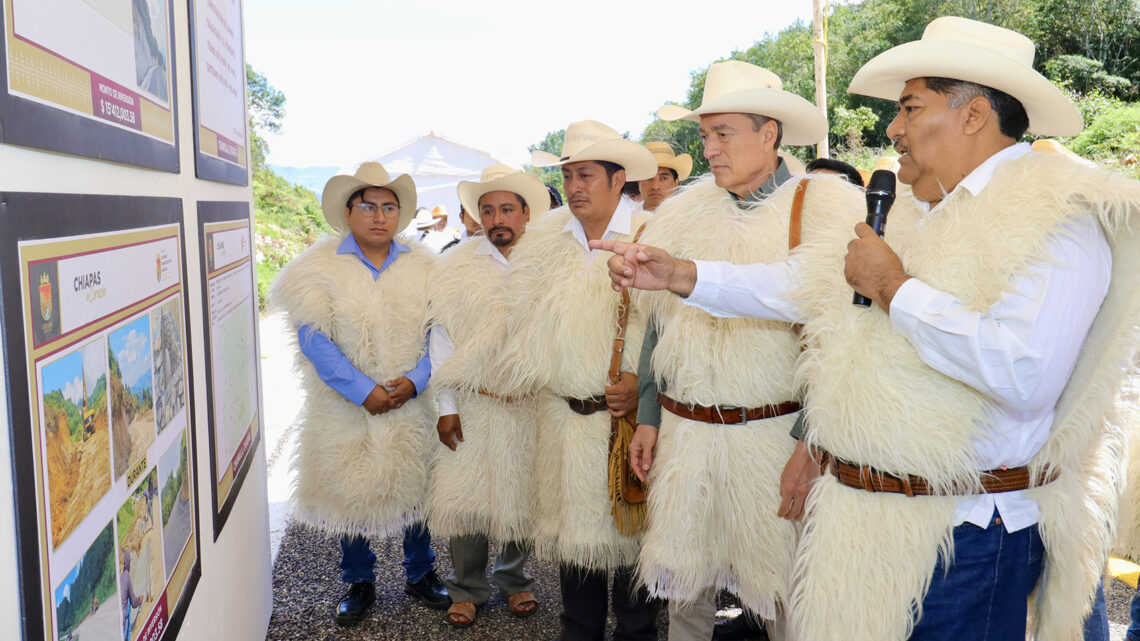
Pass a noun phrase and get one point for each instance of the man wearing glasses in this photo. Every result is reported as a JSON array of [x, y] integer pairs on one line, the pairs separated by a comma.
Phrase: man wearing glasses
[[357, 301]]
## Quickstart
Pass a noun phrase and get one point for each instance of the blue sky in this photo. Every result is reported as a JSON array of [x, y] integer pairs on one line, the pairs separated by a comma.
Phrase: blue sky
[[131, 345], [362, 76], [63, 375]]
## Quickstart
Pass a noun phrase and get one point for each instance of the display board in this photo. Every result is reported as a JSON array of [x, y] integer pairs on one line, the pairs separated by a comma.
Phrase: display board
[[218, 75], [99, 372], [230, 309], [92, 78]]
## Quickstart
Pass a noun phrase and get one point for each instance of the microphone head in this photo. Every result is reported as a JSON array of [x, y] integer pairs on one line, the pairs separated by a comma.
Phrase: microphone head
[[883, 180]]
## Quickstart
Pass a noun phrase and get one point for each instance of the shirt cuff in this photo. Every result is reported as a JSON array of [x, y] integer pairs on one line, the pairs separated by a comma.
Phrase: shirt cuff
[[445, 402], [649, 413], [910, 299], [358, 389], [707, 288], [420, 374]]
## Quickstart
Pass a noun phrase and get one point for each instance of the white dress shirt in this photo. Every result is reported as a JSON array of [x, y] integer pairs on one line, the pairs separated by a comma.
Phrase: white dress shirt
[[440, 347], [620, 223], [1019, 353]]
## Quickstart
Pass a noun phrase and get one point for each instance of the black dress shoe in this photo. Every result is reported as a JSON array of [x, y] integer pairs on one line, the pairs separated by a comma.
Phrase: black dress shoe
[[355, 604], [740, 627], [430, 591]]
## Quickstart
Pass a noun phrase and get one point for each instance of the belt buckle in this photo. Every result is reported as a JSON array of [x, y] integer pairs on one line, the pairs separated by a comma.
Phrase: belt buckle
[[721, 409]]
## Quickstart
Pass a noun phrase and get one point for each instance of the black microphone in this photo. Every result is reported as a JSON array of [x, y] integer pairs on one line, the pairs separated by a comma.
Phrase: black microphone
[[880, 197]]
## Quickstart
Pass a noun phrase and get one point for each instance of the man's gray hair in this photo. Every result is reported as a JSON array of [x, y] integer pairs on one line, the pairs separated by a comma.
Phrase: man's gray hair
[[1012, 118], [758, 121]]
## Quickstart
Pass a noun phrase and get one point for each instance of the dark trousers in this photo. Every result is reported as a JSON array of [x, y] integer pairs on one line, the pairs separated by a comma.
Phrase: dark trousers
[[584, 605]]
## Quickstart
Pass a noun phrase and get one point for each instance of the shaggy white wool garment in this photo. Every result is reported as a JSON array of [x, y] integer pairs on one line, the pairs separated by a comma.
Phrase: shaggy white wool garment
[[1128, 533], [715, 488], [486, 486], [358, 473], [562, 322], [865, 560]]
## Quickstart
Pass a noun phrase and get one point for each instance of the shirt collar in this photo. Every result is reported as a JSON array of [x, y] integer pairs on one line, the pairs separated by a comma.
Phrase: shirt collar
[[778, 177], [487, 248], [350, 246], [980, 178], [620, 223]]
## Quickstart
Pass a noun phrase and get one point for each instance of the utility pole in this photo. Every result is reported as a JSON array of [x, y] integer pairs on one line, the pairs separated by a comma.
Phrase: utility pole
[[819, 44]]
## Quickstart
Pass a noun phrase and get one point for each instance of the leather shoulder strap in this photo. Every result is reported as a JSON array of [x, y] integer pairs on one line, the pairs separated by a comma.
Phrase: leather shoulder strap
[[796, 222], [623, 320]]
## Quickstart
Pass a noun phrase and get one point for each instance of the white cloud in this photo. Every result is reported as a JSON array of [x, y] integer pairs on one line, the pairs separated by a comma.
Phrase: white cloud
[[73, 391]]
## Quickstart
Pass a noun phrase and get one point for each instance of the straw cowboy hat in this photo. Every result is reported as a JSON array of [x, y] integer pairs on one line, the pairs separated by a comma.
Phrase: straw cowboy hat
[[682, 164], [369, 174], [591, 140], [976, 52], [735, 87], [423, 219], [504, 178]]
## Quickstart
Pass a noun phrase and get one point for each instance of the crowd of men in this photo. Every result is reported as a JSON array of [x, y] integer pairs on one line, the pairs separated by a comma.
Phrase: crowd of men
[[912, 469]]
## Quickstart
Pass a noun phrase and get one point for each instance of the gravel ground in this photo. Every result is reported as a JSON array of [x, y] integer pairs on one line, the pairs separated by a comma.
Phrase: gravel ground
[[306, 588]]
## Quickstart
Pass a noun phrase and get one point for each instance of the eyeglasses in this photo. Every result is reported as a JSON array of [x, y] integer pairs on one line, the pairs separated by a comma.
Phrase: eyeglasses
[[370, 210]]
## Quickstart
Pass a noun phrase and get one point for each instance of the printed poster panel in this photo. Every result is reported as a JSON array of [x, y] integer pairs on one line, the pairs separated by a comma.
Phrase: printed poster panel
[[108, 516], [231, 343], [218, 63], [91, 77]]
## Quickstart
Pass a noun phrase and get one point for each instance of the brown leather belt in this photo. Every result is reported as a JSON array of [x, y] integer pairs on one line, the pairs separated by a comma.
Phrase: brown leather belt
[[587, 406], [868, 478], [725, 415]]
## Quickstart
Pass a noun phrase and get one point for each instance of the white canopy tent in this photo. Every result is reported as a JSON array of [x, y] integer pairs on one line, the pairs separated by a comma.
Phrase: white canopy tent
[[437, 165]]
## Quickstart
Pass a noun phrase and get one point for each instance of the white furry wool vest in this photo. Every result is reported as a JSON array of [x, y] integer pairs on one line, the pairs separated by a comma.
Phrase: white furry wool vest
[[486, 485], [865, 560], [715, 488], [1128, 534], [358, 473], [562, 322]]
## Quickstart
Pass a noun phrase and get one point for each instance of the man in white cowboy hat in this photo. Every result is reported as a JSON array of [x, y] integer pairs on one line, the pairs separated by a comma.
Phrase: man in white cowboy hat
[[482, 483], [964, 422], [671, 170], [561, 328], [717, 453], [356, 298]]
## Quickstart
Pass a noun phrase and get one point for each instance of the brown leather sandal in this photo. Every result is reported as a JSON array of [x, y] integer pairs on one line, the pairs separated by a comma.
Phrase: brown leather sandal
[[461, 614], [522, 604]]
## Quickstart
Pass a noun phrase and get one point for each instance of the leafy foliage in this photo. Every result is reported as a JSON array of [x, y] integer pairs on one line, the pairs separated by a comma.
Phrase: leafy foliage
[[551, 144], [287, 218], [54, 404], [1085, 75], [95, 582], [266, 108]]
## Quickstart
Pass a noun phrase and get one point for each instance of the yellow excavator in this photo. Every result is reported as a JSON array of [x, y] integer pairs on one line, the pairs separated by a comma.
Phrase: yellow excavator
[[88, 411]]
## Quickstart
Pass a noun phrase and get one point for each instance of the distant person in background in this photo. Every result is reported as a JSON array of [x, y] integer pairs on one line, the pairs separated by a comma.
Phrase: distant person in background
[[555, 197], [471, 226], [632, 193], [671, 170], [357, 300], [127, 595], [831, 166]]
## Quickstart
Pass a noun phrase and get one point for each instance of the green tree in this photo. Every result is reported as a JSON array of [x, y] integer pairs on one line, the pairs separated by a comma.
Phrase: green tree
[[551, 144], [266, 106]]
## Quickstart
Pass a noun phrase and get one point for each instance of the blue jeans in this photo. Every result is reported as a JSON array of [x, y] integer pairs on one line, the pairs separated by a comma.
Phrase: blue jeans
[[1133, 633], [357, 562], [1096, 626], [983, 594]]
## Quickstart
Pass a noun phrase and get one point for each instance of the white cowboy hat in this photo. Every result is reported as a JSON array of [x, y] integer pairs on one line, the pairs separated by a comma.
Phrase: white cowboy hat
[[504, 178], [735, 87], [591, 140], [369, 174], [977, 52], [682, 164], [423, 218]]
